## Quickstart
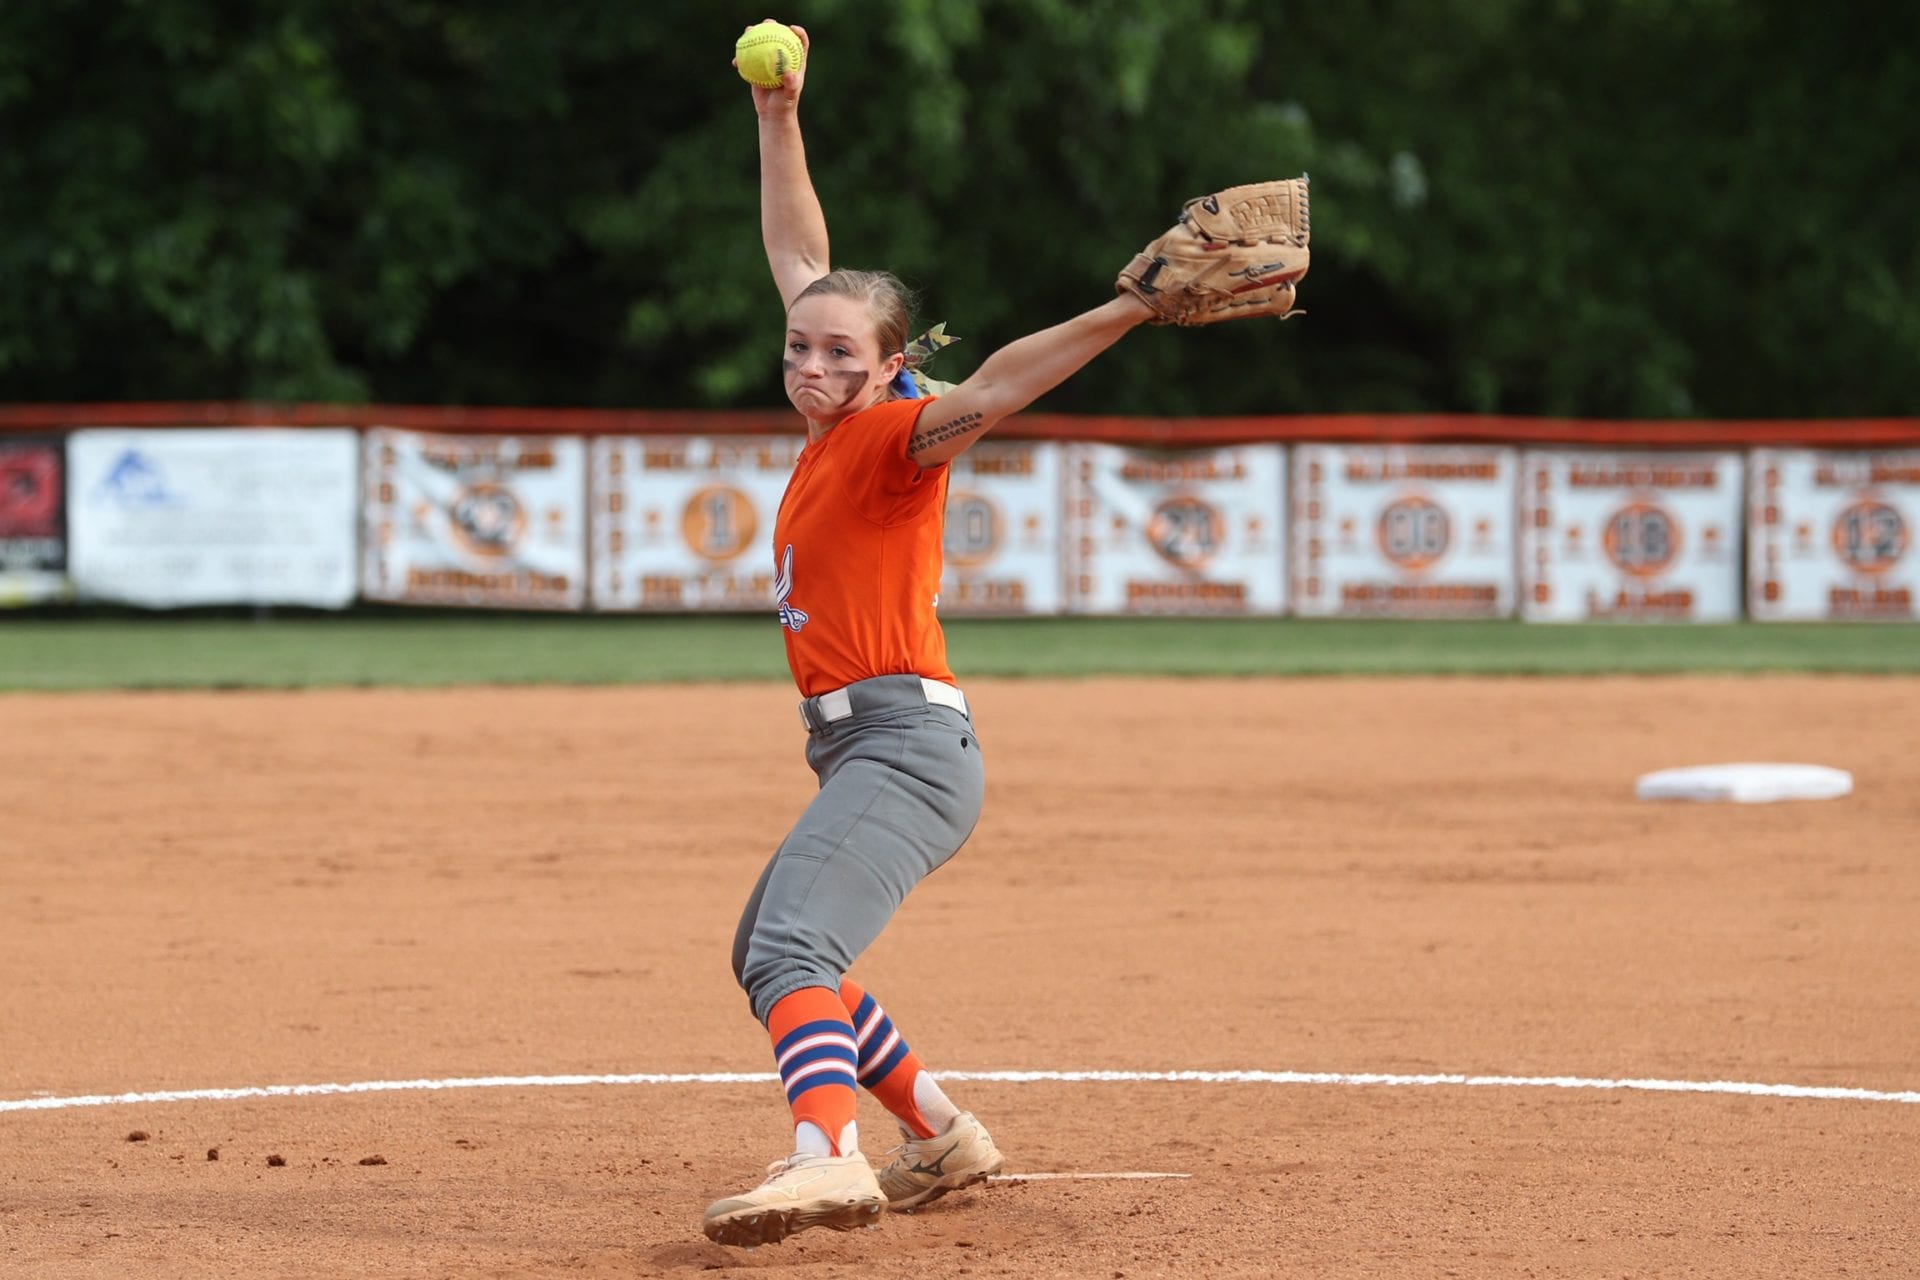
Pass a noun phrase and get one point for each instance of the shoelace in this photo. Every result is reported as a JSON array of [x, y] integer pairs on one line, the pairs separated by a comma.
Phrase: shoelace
[[779, 1167], [797, 1160], [907, 1139]]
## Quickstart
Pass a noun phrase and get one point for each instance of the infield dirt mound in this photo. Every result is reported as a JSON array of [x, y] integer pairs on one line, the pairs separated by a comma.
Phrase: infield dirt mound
[[1407, 875]]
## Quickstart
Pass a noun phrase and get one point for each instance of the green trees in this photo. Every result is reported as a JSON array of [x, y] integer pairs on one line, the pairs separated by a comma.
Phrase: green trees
[[1593, 207]]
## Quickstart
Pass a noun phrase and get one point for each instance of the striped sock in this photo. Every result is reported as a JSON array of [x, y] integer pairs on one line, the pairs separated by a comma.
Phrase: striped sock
[[814, 1052], [890, 1070]]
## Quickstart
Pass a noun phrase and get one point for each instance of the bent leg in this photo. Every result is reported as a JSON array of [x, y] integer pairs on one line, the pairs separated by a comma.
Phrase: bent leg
[[896, 802]]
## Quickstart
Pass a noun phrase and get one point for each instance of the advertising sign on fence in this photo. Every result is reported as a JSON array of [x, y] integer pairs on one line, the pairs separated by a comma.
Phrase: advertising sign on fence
[[1636, 536], [1176, 533], [475, 521], [1831, 535], [33, 522], [685, 523], [1403, 531], [1002, 545], [167, 519]]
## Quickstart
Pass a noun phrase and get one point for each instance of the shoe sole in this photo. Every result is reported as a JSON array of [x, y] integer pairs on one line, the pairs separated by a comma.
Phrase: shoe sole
[[751, 1227], [972, 1178]]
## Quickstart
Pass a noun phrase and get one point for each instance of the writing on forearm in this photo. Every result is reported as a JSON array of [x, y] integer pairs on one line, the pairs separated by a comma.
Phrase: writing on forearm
[[927, 437]]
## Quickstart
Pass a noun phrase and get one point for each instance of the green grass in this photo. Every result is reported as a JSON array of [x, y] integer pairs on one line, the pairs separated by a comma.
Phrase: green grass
[[298, 650]]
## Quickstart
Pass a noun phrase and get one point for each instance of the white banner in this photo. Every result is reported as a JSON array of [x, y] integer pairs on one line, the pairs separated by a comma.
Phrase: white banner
[[172, 518], [686, 522], [1637, 536], [1002, 547], [1403, 531], [1178, 533], [1831, 535], [489, 521]]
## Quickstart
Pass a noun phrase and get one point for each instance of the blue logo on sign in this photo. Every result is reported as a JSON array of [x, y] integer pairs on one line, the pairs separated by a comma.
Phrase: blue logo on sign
[[134, 480]]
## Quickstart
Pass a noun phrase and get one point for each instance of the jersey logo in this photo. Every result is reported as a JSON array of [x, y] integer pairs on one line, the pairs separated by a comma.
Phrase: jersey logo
[[790, 618]]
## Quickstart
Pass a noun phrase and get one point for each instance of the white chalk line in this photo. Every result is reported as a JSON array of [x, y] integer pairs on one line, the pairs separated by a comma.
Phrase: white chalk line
[[1334, 1078], [1131, 1176]]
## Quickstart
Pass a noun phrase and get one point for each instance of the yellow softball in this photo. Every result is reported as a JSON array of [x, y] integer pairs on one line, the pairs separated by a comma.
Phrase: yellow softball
[[767, 52]]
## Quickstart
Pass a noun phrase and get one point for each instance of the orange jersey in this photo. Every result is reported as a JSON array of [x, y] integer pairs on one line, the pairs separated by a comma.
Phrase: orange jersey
[[857, 551]]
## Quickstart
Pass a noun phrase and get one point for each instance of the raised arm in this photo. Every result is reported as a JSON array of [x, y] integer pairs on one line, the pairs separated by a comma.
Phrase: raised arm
[[1016, 375], [792, 225], [1234, 254]]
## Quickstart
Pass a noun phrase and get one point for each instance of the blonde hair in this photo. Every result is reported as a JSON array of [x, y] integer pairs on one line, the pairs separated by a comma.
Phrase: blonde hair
[[888, 302]]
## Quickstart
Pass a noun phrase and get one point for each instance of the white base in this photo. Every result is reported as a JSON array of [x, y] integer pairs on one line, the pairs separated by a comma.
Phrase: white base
[[1746, 783]]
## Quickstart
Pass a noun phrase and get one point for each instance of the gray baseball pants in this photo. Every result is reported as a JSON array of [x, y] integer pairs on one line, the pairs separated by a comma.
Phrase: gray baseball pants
[[901, 783]]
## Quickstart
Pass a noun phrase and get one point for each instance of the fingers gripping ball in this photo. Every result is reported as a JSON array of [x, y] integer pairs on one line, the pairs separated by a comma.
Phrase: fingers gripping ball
[[1238, 252], [767, 52]]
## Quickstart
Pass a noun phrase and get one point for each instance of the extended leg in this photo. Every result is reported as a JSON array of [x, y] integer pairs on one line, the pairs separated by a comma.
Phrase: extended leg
[[945, 1148], [891, 1070]]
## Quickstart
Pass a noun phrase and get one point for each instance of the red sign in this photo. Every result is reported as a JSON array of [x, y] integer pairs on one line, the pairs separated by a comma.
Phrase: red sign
[[30, 491]]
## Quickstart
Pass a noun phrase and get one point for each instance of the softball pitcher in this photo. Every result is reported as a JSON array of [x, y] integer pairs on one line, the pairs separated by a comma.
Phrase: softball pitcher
[[857, 549]]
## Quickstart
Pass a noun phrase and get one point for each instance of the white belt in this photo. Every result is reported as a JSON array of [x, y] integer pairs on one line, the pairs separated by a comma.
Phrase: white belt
[[837, 704]]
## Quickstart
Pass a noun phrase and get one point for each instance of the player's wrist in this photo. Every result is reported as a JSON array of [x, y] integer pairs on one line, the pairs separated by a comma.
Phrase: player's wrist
[[1127, 309]]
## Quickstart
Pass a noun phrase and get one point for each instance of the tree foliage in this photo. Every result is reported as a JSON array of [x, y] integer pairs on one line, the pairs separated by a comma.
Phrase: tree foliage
[[1591, 207]]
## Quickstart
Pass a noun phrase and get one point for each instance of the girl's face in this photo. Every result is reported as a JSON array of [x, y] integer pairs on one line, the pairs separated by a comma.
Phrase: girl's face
[[832, 366]]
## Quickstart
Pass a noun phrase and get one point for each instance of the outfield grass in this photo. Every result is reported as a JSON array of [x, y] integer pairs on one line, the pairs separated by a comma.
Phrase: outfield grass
[[289, 650]]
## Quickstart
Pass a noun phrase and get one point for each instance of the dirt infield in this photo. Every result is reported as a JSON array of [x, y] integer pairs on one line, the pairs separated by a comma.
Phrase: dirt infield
[[1397, 877]]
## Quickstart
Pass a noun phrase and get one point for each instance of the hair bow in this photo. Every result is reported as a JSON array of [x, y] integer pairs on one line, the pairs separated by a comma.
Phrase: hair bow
[[912, 384]]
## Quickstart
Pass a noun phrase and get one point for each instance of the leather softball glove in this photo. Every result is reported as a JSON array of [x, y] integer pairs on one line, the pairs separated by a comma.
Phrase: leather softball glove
[[1238, 252]]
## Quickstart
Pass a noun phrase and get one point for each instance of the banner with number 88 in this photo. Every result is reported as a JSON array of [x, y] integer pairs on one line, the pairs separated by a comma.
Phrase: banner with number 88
[[1402, 531]]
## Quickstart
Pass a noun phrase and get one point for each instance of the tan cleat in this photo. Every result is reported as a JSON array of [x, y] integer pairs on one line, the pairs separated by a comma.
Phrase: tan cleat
[[924, 1169], [801, 1191]]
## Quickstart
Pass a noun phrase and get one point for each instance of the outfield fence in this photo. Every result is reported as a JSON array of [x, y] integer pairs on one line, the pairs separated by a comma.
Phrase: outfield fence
[[174, 505]]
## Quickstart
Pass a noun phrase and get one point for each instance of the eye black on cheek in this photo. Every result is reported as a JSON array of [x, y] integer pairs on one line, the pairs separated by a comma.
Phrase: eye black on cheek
[[851, 384]]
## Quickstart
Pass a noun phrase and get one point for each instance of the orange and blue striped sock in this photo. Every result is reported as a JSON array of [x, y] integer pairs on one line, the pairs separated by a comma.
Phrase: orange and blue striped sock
[[813, 1049], [890, 1070]]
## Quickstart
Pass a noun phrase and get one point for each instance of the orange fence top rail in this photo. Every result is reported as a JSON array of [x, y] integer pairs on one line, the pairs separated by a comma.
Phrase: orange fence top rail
[[1841, 433]]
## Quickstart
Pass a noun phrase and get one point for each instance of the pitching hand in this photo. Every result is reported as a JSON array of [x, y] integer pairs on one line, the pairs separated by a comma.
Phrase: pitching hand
[[787, 96]]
